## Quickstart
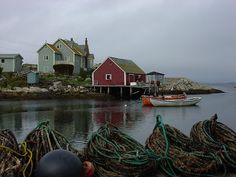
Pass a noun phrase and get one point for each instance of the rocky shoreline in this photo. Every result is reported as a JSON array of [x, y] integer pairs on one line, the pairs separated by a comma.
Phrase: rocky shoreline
[[58, 90], [180, 85], [55, 91]]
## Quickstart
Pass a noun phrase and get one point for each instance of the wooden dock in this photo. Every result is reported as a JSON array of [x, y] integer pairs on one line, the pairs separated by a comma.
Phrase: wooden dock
[[121, 91]]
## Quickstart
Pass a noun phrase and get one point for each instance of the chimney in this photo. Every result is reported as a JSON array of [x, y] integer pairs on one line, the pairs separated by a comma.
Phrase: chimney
[[71, 39]]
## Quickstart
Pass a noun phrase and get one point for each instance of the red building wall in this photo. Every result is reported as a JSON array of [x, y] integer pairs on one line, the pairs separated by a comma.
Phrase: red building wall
[[108, 67]]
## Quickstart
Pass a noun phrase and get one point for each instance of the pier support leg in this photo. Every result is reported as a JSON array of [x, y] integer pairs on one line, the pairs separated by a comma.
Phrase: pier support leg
[[121, 92], [100, 89], [130, 91], [108, 90]]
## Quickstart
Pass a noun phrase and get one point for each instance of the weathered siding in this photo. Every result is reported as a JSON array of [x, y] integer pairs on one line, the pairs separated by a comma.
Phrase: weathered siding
[[32, 78], [77, 65], [18, 64], [45, 65], [83, 62], [7, 64], [90, 63], [108, 67], [67, 53], [58, 57]]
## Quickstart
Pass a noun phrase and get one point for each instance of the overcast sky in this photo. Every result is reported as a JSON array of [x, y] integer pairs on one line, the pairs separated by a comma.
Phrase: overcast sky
[[180, 38]]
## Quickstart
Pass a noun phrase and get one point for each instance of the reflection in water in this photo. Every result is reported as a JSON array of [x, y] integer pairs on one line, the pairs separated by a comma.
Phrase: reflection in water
[[77, 119]]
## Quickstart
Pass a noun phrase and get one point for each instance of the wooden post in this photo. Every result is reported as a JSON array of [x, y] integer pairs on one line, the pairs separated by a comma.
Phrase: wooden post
[[121, 92], [130, 91], [108, 90], [100, 89]]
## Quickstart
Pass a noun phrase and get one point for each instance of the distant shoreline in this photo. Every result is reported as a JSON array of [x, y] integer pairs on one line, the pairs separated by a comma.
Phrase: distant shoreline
[[87, 95], [58, 90]]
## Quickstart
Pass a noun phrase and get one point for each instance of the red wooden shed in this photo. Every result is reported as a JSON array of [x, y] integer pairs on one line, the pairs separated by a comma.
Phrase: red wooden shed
[[116, 71]]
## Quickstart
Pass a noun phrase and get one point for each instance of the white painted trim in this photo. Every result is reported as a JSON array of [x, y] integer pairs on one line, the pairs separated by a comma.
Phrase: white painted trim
[[116, 65], [108, 75], [92, 78], [125, 81], [53, 58], [38, 63]]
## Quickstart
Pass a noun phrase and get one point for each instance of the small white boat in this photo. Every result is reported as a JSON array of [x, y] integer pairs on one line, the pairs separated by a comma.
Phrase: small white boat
[[189, 101]]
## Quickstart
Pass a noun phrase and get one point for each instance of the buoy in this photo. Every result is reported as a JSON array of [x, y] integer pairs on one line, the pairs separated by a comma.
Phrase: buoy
[[59, 163], [88, 169]]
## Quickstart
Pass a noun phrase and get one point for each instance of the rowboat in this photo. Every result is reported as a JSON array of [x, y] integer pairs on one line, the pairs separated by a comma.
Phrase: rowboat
[[188, 101], [146, 98]]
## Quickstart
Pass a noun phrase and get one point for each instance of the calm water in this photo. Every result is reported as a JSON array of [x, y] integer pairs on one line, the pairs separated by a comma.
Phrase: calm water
[[77, 119]]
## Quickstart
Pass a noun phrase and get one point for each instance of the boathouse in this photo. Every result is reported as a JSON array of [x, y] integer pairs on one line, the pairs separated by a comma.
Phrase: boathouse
[[118, 72], [155, 77]]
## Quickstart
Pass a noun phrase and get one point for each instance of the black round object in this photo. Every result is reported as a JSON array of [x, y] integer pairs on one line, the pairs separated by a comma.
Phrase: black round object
[[59, 163]]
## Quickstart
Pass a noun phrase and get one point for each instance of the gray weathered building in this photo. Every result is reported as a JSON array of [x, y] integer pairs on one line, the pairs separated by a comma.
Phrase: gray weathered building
[[11, 62]]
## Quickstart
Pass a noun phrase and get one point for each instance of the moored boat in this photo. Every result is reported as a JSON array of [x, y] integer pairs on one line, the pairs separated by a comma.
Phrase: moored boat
[[188, 101], [146, 98]]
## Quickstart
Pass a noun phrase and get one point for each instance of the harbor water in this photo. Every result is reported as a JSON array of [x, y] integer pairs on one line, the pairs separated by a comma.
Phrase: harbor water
[[77, 119]]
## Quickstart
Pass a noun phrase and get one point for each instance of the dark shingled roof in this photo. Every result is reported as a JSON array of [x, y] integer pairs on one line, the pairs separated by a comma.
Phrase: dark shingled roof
[[10, 56], [54, 48], [155, 73], [127, 65], [74, 47]]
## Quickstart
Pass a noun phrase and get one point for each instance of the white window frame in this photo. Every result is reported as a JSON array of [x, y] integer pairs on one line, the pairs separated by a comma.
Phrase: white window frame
[[108, 76]]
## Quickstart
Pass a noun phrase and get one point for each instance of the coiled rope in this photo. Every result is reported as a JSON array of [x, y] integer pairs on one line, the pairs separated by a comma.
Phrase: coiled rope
[[114, 153], [43, 139], [217, 138], [14, 161], [179, 155]]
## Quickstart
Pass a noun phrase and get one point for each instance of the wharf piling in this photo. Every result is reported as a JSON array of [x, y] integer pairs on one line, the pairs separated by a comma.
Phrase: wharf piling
[[120, 91]]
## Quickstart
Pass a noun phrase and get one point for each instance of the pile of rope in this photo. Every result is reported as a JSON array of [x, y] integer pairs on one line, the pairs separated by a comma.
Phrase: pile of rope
[[115, 154], [217, 138], [43, 139], [178, 154], [14, 161]]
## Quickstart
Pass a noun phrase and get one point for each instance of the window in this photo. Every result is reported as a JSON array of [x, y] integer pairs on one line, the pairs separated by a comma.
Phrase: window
[[59, 46], [108, 76], [3, 61], [46, 57]]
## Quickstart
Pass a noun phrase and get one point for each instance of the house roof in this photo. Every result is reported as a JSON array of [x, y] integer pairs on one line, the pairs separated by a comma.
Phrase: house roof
[[73, 46], [10, 56], [127, 65], [53, 48], [50, 46], [155, 73]]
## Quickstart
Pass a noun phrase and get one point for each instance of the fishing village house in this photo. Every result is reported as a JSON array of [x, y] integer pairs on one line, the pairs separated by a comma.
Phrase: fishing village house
[[117, 73], [11, 62], [65, 56]]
